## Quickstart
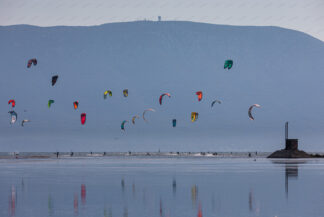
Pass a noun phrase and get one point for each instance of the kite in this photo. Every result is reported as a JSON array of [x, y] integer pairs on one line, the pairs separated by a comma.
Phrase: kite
[[76, 104], [174, 122], [123, 125], [50, 102], [200, 95], [228, 64], [250, 110], [194, 116], [125, 92], [12, 102], [133, 118], [83, 118], [107, 92], [219, 102], [54, 79], [24, 121], [161, 97], [13, 117], [146, 110], [31, 62]]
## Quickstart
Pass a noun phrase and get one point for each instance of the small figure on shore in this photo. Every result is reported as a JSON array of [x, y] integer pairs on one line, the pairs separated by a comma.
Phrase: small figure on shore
[[57, 154], [71, 154], [249, 154]]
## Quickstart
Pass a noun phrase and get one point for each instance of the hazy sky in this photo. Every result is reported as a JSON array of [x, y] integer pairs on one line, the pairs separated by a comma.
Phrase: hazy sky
[[302, 15]]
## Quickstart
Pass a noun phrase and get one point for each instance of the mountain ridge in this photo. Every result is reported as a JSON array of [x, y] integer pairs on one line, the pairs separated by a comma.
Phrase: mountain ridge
[[150, 58]]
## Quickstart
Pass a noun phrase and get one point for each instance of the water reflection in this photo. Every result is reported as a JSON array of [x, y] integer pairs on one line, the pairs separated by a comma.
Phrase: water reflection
[[254, 205], [199, 211], [161, 209], [83, 194], [22, 184], [174, 186], [225, 189], [108, 213], [194, 195], [125, 214], [134, 190], [12, 201], [251, 200], [291, 171], [123, 184], [50, 205], [76, 204]]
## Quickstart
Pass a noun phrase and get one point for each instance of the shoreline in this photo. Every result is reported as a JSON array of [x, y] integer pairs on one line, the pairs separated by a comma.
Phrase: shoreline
[[65, 155], [54, 155]]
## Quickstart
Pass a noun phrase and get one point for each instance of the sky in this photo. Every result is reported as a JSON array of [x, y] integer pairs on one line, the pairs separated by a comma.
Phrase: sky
[[302, 15]]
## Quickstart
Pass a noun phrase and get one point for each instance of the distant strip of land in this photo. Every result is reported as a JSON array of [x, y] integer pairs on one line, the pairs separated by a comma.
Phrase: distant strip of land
[[49, 155]]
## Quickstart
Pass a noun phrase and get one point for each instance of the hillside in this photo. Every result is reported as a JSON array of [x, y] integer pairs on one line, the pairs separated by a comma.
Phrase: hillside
[[280, 69]]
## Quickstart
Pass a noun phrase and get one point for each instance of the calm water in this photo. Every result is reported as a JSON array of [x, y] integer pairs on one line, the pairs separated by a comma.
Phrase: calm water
[[168, 187]]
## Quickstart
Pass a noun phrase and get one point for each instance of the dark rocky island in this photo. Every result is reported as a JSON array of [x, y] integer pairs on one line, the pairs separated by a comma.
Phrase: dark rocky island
[[283, 153], [291, 150]]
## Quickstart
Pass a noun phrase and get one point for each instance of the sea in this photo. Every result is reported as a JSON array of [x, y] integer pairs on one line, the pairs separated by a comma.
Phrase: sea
[[174, 185]]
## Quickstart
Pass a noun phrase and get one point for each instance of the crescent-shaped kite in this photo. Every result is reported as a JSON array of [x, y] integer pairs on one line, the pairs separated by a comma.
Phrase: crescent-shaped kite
[[194, 116], [123, 125], [161, 97], [24, 121], [146, 110], [213, 103], [133, 118], [250, 110]]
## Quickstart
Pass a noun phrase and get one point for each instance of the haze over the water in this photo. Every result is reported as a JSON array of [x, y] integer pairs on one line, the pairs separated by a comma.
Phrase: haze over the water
[[303, 15]]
